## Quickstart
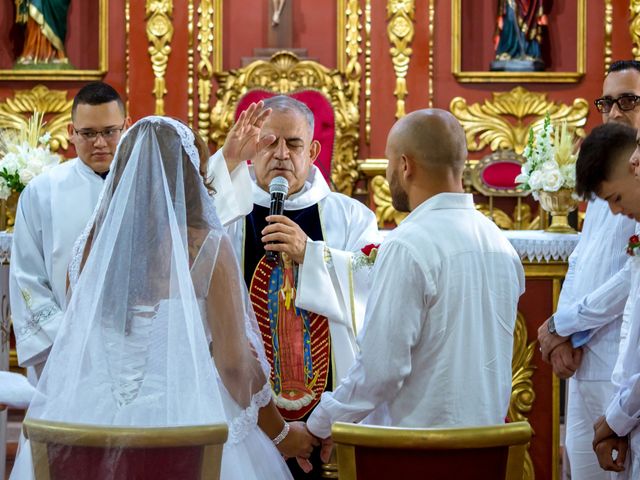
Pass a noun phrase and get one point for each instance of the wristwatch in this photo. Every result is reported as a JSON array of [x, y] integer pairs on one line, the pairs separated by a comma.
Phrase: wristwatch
[[551, 325]]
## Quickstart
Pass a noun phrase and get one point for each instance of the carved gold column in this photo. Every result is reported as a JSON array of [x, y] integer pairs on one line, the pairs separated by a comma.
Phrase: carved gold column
[[634, 27], [206, 40], [159, 32], [522, 393], [400, 30], [127, 53], [190, 65], [367, 71], [432, 16], [608, 31]]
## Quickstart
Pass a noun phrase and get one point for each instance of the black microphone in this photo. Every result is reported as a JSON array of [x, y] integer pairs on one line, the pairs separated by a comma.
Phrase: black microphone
[[278, 189]]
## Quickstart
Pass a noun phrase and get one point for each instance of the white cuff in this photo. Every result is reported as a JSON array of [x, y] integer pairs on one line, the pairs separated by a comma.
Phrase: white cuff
[[617, 418], [319, 423]]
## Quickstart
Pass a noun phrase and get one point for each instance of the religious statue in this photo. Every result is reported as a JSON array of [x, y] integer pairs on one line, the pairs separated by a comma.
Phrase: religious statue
[[518, 36], [46, 29]]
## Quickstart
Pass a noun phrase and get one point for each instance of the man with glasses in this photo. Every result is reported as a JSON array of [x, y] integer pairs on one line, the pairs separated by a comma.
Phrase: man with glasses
[[52, 211], [581, 339]]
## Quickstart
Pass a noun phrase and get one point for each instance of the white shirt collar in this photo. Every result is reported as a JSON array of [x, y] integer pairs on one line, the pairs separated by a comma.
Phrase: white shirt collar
[[446, 200], [314, 190]]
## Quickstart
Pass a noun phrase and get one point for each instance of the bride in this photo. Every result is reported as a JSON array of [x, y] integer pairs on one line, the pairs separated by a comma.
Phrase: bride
[[159, 330]]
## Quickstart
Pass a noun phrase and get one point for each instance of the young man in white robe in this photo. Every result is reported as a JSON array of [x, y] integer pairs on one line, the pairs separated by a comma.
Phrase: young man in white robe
[[52, 211], [317, 289], [606, 168], [442, 309], [590, 356]]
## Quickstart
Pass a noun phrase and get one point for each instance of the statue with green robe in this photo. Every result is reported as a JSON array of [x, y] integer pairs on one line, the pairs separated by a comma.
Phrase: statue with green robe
[[518, 37], [46, 29]]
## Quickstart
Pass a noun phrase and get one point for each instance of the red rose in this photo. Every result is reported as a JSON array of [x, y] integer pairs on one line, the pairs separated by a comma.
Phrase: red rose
[[368, 248], [634, 239]]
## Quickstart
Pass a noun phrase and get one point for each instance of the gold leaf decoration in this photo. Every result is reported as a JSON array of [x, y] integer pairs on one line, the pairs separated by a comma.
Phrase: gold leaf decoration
[[491, 123], [608, 33], [159, 33], [522, 393], [634, 27], [285, 73], [16, 111], [400, 30]]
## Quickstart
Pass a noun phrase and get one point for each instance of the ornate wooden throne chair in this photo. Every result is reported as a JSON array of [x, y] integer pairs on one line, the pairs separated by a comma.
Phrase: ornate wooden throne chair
[[332, 98]]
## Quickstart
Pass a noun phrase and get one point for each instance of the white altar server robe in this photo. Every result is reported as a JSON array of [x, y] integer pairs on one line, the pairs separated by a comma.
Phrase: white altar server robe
[[328, 283], [52, 212], [437, 341]]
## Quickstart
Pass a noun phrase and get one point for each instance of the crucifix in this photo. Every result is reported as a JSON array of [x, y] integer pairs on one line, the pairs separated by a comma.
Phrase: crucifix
[[280, 24]]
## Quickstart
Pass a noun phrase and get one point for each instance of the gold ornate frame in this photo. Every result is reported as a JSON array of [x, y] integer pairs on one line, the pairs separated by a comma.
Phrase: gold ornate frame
[[66, 75], [519, 77]]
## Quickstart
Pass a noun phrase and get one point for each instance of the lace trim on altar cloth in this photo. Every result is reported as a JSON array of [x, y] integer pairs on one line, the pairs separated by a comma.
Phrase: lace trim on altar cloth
[[539, 246]]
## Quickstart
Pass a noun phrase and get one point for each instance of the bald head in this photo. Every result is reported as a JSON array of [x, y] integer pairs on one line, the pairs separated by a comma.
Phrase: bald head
[[432, 137]]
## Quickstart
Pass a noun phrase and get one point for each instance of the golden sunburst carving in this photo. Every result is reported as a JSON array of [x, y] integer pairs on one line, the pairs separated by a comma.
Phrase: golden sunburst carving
[[285, 73], [15, 112], [490, 123]]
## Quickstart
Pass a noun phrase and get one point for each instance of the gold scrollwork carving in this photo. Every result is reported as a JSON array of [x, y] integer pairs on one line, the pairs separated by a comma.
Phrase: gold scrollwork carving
[[432, 16], [485, 124], [367, 71], [608, 33], [127, 53], [522, 393], [206, 51], [190, 62], [634, 27], [385, 213], [400, 30], [159, 33], [15, 112], [285, 73]]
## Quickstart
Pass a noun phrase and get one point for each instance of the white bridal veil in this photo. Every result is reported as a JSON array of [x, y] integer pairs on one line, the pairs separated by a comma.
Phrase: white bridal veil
[[159, 330]]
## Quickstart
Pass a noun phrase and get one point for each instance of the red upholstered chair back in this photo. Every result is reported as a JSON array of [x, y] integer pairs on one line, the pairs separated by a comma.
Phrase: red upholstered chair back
[[324, 121], [495, 176], [63, 451], [479, 453]]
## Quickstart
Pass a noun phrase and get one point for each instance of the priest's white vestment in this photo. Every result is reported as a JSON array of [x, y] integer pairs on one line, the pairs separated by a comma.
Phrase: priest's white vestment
[[52, 211], [329, 283]]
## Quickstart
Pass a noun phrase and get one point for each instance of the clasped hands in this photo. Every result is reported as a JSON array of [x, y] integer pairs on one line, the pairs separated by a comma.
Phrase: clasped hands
[[605, 442], [300, 443], [559, 352]]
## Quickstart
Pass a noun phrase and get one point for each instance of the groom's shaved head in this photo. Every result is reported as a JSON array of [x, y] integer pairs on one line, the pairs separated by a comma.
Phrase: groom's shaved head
[[432, 137]]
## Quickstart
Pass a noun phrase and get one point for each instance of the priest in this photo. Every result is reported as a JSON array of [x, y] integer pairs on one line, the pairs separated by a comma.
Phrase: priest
[[309, 303], [52, 211]]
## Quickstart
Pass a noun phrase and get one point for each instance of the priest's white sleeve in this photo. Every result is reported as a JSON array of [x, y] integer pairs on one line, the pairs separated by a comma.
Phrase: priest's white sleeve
[[35, 312], [233, 198], [329, 285], [392, 328]]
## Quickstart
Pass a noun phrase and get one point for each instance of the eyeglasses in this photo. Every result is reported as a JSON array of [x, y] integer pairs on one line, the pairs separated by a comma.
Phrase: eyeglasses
[[107, 134], [625, 103]]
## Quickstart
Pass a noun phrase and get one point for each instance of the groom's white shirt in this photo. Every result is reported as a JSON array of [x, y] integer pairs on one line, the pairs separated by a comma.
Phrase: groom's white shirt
[[328, 283], [52, 212], [437, 341]]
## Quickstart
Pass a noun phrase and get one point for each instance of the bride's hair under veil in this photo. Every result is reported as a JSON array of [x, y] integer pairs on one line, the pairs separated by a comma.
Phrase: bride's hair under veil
[[159, 293]]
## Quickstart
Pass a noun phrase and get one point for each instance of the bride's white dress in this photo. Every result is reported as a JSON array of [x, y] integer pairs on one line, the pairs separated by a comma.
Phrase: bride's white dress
[[133, 347]]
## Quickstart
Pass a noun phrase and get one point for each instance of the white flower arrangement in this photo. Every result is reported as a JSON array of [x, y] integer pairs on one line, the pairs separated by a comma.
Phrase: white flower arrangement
[[550, 160], [25, 154]]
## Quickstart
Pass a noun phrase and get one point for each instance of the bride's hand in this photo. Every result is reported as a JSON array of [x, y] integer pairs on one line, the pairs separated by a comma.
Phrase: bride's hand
[[298, 442]]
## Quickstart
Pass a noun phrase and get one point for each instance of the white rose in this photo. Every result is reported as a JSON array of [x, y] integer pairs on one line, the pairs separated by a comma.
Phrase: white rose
[[26, 176], [569, 175], [552, 180], [535, 180], [44, 139], [522, 178]]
